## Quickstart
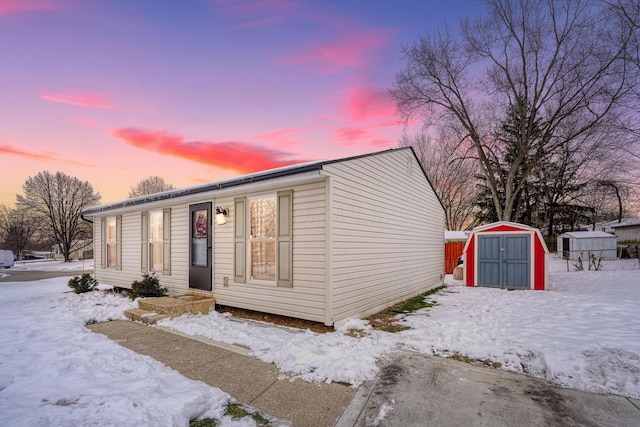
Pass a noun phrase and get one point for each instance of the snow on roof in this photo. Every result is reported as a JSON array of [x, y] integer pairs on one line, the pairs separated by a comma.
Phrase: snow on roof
[[455, 235], [586, 234]]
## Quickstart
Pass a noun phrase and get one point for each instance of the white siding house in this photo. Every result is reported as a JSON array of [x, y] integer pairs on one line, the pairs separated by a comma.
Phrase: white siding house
[[322, 241], [628, 230]]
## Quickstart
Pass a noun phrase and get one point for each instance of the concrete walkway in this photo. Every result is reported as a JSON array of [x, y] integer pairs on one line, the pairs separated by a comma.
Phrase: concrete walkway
[[410, 390], [418, 390], [230, 368]]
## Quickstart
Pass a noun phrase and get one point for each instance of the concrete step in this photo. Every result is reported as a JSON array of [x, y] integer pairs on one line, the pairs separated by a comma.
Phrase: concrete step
[[144, 316], [177, 306]]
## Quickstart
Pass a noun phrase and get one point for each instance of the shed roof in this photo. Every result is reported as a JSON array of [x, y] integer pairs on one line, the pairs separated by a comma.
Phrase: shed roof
[[507, 227], [240, 180], [502, 224], [586, 234]]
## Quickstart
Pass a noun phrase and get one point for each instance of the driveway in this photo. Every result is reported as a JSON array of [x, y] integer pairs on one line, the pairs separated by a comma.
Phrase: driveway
[[11, 275], [417, 390]]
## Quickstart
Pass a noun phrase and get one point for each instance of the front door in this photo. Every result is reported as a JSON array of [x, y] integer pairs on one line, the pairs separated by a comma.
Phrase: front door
[[200, 246], [504, 261]]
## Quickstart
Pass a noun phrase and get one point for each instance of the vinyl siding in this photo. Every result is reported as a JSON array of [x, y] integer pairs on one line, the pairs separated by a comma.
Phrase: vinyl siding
[[387, 233], [131, 237], [305, 299], [177, 281]]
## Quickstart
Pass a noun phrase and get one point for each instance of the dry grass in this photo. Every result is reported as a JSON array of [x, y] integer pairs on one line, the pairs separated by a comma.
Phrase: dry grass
[[387, 320], [473, 361]]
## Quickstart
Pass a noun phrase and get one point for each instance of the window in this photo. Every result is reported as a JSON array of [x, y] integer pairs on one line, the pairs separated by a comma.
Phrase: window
[[155, 241], [263, 227], [112, 242], [262, 239]]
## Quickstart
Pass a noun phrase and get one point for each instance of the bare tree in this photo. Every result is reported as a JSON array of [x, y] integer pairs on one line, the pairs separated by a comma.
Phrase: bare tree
[[559, 70], [451, 174], [17, 229], [150, 185], [56, 203]]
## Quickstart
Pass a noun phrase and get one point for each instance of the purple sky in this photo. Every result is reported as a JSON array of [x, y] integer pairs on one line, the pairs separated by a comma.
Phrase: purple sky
[[193, 91]]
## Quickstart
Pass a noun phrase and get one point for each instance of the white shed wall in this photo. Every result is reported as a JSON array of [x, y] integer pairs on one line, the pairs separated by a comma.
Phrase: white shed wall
[[604, 247], [387, 232]]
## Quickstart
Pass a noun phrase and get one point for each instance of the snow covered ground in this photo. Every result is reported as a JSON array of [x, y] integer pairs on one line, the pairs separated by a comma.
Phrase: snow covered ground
[[56, 372], [583, 333]]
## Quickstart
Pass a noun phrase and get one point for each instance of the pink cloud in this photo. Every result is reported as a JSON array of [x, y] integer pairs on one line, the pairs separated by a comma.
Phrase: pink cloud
[[355, 136], [9, 150], [284, 137], [240, 156], [351, 136], [347, 51], [12, 6], [365, 103], [87, 122], [81, 99]]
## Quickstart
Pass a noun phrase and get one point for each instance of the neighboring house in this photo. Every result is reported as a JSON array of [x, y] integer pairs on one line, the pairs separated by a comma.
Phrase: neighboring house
[[82, 249], [506, 255], [582, 244], [322, 241], [605, 226], [628, 230]]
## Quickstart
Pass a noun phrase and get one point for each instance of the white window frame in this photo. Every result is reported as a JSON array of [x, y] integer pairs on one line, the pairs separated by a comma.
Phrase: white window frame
[[111, 241], [250, 240], [159, 241]]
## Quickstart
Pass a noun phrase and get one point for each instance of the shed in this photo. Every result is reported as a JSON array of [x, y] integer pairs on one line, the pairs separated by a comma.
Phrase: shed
[[322, 241], [506, 255], [575, 244]]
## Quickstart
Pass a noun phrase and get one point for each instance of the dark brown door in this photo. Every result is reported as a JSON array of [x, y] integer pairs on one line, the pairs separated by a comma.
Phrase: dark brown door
[[200, 246]]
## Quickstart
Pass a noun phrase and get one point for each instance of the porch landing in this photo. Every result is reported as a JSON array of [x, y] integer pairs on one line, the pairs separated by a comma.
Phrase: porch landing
[[150, 310]]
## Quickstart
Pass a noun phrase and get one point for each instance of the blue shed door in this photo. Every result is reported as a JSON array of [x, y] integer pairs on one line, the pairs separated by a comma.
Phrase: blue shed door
[[504, 261]]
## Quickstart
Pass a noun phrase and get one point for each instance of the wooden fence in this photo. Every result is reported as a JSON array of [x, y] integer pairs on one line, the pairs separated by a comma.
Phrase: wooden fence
[[452, 251]]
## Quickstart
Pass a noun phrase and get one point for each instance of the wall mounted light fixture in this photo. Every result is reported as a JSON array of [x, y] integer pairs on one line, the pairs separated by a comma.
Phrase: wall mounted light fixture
[[221, 215]]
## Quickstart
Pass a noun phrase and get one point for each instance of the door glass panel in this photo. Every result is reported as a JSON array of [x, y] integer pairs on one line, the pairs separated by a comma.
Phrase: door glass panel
[[199, 234]]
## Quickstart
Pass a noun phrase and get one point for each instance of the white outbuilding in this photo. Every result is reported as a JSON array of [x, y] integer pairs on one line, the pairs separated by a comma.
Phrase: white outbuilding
[[582, 244]]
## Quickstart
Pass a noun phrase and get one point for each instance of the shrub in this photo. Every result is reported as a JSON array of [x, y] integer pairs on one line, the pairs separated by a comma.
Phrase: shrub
[[149, 286], [83, 284]]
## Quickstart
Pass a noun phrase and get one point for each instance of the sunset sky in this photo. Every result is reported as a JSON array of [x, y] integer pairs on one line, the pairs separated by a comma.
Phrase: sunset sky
[[114, 91]]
